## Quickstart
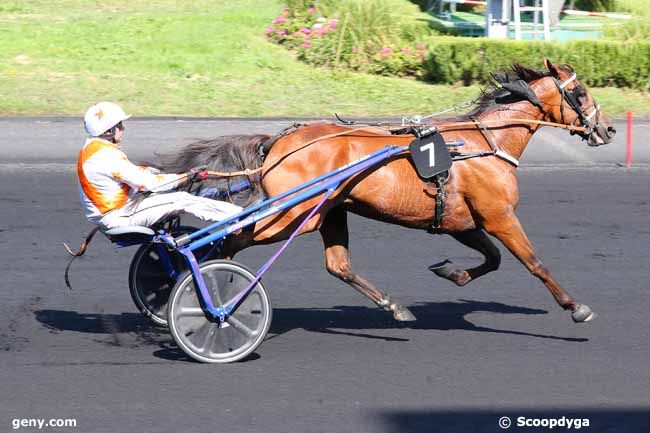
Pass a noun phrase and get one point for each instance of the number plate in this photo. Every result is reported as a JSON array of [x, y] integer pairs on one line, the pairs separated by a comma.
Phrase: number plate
[[430, 155]]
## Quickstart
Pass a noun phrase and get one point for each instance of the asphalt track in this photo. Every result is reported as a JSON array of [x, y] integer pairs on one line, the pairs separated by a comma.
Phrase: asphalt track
[[332, 361]]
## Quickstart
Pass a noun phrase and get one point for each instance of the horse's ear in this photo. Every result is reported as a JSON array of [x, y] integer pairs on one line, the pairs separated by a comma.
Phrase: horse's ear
[[552, 68], [500, 77]]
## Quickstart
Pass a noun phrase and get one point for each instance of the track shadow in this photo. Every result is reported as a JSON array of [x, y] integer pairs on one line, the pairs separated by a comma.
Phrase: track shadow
[[133, 330], [441, 316], [125, 329], [600, 419]]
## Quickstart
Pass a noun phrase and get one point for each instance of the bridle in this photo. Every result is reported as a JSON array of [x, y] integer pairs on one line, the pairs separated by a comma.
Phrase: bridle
[[571, 97]]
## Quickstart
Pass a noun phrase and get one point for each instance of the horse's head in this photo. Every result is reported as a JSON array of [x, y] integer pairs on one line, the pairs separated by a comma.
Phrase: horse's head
[[570, 103]]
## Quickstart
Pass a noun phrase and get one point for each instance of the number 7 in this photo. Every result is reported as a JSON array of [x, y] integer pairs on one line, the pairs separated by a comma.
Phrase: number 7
[[432, 154]]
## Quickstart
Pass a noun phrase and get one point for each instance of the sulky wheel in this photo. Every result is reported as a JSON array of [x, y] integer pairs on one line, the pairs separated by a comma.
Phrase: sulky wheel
[[205, 338], [149, 281]]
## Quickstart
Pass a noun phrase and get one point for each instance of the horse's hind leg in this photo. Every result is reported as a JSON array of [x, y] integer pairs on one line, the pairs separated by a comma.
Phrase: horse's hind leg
[[334, 231], [509, 231], [479, 241]]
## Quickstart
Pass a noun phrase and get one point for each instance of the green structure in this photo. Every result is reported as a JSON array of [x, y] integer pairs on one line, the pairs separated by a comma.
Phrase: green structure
[[498, 19]]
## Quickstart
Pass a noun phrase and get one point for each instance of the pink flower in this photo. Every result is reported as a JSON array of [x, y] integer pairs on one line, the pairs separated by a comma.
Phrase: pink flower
[[386, 51], [285, 11], [282, 32], [421, 58], [356, 50], [421, 47], [306, 45], [333, 24], [279, 20], [296, 34], [405, 51], [311, 10], [307, 38], [270, 30], [305, 30], [320, 31]]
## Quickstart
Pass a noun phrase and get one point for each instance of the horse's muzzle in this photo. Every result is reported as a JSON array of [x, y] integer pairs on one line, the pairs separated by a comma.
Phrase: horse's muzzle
[[601, 135]]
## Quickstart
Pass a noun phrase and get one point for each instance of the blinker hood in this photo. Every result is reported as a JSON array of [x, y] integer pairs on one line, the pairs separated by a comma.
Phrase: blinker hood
[[518, 88], [521, 89]]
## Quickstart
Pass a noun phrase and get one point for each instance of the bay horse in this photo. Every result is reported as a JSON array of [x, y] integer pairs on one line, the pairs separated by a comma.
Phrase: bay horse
[[481, 192]]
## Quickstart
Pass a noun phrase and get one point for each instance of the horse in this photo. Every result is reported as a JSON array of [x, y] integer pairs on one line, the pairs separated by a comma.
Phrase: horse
[[481, 192]]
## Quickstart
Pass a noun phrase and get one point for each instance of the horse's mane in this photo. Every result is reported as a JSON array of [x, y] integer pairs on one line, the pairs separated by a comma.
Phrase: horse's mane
[[494, 95]]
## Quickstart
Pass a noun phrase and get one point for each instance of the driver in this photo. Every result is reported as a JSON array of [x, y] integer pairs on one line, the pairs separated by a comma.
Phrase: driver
[[108, 181]]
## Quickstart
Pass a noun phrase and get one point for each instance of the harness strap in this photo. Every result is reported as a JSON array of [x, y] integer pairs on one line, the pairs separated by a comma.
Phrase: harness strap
[[84, 245], [441, 199], [596, 111], [509, 122], [496, 151], [568, 81], [82, 250], [247, 172]]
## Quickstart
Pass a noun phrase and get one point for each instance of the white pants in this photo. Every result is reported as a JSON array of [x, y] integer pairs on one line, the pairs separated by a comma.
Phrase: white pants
[[163, 206]]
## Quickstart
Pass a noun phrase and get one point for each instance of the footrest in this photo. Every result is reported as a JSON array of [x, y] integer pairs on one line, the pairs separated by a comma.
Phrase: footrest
[[130, 234]]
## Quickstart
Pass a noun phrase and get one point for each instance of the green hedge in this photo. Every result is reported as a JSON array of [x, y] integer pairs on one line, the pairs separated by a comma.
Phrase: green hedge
[[598, 63]]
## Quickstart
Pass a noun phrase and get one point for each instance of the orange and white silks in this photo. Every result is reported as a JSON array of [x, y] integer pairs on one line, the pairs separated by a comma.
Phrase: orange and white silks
[[107, 179]]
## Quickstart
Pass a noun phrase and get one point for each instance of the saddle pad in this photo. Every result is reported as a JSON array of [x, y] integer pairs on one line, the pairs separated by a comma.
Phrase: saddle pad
[[430, 155]]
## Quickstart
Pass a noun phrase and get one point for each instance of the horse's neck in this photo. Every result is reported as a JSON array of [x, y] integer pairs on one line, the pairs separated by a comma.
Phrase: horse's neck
[[514, 136]]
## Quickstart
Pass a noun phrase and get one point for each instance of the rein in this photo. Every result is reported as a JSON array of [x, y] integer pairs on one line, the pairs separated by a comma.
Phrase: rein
[[453, 125], [309, 143], [247, 172], [441, 127]]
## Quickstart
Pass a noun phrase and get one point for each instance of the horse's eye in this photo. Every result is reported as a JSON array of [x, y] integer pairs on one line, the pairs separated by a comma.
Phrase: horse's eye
[[580, 93]]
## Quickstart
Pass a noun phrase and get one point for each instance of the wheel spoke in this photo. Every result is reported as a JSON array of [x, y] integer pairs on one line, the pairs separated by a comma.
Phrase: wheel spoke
[[213, 286], [207, 340], [240, 326], [191, 312]]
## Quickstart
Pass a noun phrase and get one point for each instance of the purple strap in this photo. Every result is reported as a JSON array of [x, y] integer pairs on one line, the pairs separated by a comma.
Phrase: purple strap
[[231, 305]]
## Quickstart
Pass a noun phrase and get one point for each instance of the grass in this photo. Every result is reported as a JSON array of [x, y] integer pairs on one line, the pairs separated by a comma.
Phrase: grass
[[199, 58]]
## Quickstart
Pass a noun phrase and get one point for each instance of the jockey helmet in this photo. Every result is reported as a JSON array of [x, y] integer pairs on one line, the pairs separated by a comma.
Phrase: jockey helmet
[[103, 116]]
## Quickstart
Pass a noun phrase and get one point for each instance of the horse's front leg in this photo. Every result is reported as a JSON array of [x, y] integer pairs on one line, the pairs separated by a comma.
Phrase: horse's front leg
[[337, 261], [507, 228], [479, 241]]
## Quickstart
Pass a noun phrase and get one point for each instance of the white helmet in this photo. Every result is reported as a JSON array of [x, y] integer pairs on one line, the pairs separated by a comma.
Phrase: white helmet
[[103, 116]]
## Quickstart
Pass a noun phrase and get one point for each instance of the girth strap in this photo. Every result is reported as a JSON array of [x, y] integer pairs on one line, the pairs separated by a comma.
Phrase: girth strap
[[441, 199]]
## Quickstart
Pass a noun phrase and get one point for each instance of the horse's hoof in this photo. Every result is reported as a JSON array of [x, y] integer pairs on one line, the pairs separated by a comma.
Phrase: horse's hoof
[[403, 314], [582, 314], [451, 272]]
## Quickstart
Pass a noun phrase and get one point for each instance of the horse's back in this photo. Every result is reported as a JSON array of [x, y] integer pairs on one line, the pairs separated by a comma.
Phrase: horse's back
[[391, 191]]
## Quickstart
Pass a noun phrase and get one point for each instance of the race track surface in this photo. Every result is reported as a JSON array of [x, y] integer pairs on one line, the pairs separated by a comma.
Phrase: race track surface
[[332, 361]]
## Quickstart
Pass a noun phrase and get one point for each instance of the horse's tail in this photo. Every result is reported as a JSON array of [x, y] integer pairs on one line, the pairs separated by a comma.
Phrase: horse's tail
[[229, 153]]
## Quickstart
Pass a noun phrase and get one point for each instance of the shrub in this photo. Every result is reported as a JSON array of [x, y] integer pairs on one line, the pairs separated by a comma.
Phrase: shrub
[[598, 63], [365, 35], [378, 36]]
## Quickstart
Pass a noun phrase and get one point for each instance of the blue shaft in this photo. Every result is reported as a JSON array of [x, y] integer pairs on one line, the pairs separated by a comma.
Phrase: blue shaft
[[326, 181], [385, 153]]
